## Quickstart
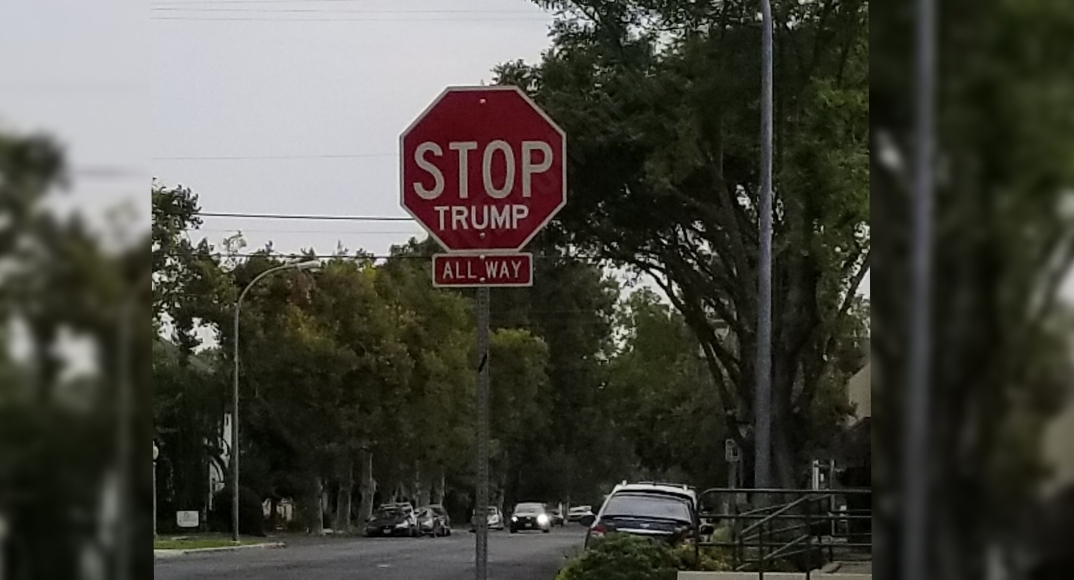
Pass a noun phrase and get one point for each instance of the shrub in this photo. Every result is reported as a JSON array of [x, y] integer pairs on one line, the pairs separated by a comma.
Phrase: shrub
[[705, 559], [622, 557]]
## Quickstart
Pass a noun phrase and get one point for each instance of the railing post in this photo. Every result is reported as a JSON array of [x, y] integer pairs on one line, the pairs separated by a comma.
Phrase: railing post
[[809, 539]]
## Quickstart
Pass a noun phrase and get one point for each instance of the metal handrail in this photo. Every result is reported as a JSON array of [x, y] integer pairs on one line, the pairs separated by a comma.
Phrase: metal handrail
[[782, 510], [762, 533]]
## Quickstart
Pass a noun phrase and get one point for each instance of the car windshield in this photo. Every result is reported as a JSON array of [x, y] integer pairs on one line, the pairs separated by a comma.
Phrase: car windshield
[[387, 512], [529, 508], [493, 510], [648, 506]]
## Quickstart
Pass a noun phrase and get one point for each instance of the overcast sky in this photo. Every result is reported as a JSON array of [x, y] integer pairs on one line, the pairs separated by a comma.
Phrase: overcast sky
[[258, 111]]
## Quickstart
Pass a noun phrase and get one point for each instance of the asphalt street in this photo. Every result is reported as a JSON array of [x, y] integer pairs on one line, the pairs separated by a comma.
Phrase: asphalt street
[[525, 556]]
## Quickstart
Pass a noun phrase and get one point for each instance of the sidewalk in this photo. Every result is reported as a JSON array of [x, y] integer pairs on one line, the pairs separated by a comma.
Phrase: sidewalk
[[172, 553], [769, 576]]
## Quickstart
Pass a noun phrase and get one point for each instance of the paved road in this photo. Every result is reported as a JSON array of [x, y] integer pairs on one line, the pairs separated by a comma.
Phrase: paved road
[[528, 556]]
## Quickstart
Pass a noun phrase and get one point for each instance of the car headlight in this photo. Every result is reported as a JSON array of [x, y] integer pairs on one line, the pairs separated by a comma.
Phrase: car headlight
[[514, 518], [542, 519], [401, 525]]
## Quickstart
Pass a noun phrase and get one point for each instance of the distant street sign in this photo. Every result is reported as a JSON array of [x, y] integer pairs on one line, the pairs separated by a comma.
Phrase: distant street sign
[[483, 169], [470, 270], [187, 519], [731, 453]]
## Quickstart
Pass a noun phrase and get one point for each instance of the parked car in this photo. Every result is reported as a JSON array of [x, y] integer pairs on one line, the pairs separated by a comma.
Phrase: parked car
[[557, 517], [394, 519], [530, 516], [495, 519], [576, 513], [656, 510], [433, 521], [445, 519]]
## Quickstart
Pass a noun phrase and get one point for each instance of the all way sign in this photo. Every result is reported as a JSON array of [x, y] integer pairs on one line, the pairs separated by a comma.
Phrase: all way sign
[[468, 270]]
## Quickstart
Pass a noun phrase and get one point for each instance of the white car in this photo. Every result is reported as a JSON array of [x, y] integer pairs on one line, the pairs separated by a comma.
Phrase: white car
[[575, 514], [495, 519]]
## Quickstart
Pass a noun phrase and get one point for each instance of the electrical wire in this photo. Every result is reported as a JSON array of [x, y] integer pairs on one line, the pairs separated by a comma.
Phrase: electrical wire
[[332, 11], [270, 216], [245, 19], [274, 157]]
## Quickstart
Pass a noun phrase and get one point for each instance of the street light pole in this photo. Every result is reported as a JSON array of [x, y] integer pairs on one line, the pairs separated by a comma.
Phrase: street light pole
[[156, 453], [763, 403], [235, 392], [916, 473]]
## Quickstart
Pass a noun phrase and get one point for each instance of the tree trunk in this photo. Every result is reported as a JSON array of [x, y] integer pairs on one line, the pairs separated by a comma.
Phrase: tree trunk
[[343, 498], [440, 489], [313, 508], [367, 485], [421, 486], [274, 513]]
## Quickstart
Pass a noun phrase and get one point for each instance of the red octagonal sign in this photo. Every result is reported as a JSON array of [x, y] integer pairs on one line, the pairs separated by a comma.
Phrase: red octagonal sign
[[483, 169]]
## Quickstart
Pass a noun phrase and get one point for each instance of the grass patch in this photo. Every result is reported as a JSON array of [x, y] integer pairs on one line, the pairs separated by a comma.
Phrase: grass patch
[[199, 542]]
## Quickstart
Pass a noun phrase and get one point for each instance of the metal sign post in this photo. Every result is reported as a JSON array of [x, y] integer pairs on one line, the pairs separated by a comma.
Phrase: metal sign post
[[482, 508]]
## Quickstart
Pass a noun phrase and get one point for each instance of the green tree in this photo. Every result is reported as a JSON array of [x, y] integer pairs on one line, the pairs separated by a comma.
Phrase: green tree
[[1004, 244], [519, 404], [660, 102], [571, 306], [439, 334], [662, 395], [59, 436]]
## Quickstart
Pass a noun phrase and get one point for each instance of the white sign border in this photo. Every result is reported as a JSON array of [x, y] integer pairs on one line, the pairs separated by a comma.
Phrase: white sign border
[[481, 255]]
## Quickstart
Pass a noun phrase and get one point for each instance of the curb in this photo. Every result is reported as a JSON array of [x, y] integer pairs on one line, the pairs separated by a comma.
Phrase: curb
[[164, 554]]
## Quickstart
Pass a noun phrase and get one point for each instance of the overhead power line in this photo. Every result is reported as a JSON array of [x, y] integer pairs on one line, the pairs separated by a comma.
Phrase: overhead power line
[[421, 19], [274, 216], [272, 157], [297, 255], [333, 11], [249, 2], [278, 231]]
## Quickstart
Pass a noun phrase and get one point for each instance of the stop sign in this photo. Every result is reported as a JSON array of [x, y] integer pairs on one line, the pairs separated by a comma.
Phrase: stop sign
[[483, 169]]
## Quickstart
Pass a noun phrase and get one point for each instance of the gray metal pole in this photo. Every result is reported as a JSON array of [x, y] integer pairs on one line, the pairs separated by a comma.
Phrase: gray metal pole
[[481, 510], [235, 424], [123, 449], [916, 474], [763, 404]]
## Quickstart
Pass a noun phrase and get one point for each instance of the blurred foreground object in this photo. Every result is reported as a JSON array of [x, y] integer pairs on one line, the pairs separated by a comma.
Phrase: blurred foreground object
[[66, 305], [1000, 332]]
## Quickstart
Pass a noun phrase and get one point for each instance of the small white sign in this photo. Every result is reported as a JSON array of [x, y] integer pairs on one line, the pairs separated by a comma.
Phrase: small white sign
[[188, 519], [731, 451]]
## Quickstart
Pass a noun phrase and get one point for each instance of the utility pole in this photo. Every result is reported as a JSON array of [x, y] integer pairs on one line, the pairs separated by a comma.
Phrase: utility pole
[[763, 404], [916, 473]]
